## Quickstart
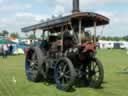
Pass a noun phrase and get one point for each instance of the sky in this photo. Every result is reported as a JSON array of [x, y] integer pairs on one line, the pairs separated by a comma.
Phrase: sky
[[16, 14]]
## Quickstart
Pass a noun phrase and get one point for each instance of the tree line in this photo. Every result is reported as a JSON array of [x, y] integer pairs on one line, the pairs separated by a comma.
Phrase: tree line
[[5, 33], [108, 38]]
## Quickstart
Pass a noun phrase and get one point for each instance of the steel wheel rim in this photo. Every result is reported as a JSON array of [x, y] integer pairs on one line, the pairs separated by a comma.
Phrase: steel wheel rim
[[92, 71], [63, 74], [32, 63], [95, 72]]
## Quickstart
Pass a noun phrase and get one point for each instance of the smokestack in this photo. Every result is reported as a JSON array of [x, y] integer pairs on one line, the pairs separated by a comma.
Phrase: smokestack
[[75, 6]]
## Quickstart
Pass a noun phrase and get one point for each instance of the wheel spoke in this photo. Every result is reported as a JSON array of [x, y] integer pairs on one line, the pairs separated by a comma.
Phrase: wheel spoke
[[59, 75], [91, 66], [97, 71], [96, 76], [35, 66], [65, 67], [35, 62], [68, 72], [60, 68], [59, 72], [94, 66], [89, 72], [67, 76]]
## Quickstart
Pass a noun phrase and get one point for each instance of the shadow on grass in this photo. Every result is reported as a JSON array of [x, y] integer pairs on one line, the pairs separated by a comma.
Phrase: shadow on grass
[[124, 71], [78, 84], [83, 84], [52, 83]]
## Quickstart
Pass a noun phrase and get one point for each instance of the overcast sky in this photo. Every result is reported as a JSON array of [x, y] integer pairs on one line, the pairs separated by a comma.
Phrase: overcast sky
[[15, 14]]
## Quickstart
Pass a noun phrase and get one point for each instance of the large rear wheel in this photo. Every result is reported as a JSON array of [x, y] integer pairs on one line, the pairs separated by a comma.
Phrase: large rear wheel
[[64, 74], [34, 59]]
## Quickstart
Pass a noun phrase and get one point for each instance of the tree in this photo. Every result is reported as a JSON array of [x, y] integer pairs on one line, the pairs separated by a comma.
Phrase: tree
[[5, 33], [111, 38], [1, 34], [14, 35], [32, 37], [125, 38]]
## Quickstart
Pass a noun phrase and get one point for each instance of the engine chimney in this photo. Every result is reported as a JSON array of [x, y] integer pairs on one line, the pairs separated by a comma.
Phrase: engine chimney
[[75, 6]]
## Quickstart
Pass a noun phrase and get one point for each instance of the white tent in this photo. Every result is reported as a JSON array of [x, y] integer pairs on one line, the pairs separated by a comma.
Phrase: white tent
[[19, 51]]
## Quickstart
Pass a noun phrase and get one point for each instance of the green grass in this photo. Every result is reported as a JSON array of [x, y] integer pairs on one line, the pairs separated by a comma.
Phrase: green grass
[[115, 82]]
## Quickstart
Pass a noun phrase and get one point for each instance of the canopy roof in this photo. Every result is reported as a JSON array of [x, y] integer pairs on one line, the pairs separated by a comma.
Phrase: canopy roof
[[5, 41], [87, 18]]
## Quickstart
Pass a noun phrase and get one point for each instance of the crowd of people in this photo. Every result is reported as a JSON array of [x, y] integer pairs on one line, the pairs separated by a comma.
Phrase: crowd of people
[[5, 50]]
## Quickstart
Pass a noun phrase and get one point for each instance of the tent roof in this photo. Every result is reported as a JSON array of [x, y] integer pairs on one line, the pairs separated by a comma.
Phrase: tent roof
[[5, 41]]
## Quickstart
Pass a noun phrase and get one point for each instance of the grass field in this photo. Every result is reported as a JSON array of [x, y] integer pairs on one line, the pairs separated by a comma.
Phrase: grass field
[[115, 82]]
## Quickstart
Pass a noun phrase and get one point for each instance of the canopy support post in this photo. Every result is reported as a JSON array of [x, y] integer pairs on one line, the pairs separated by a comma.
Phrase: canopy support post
[[43, 34], [62, 47], [34, 33], [80, 23], [94, 31], [102, 32]]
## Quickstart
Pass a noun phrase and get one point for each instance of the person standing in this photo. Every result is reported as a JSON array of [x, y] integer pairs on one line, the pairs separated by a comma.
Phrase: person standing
[[10, 49], [1, 50], [5, 51]]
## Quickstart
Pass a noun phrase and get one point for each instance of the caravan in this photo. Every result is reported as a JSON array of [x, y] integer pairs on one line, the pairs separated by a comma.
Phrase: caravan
[[106, 44], [123, 45], [113, 44]]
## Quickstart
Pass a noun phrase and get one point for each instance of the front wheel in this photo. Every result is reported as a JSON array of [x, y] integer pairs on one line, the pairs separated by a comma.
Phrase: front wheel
[[64, 74], [94, 73]]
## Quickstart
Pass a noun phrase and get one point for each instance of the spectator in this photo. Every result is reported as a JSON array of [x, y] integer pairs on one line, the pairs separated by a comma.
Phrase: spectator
[[5, 51], [1, 50], [11, 49]]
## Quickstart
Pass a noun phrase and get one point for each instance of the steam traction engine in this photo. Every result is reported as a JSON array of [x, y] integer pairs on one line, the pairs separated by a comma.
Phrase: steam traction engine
[[67, 53]]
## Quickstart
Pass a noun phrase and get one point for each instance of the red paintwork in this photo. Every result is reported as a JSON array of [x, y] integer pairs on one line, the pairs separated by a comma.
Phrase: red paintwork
[[89, 47]]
